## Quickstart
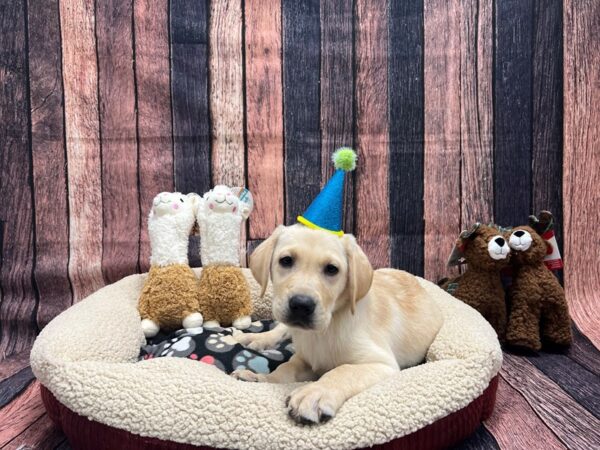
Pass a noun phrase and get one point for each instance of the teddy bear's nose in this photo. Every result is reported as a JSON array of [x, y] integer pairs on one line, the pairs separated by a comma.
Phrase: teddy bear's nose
[[519, 233], [499, 241]]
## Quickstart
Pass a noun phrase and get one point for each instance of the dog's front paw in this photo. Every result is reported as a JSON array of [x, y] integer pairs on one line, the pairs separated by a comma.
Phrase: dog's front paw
[[254, 341], [248, 375], [313, 404]]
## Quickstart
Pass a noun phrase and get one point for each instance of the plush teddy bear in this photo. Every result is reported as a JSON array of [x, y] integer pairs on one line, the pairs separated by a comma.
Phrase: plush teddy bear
[[485, 251], [538, 306], [224, 292], [169, 298]]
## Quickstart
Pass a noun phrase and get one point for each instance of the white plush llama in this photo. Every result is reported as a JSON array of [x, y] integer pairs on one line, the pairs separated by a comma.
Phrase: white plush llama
[[224, 293], [169, 298]]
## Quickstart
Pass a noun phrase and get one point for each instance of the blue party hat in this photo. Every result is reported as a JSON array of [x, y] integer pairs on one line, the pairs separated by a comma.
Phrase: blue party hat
[[326, 211]]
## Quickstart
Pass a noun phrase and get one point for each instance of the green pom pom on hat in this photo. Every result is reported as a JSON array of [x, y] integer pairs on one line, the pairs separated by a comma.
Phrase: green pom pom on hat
[[344, 159]]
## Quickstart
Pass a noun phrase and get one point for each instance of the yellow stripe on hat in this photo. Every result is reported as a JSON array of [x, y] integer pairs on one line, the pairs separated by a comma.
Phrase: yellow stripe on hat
[[309, 224]]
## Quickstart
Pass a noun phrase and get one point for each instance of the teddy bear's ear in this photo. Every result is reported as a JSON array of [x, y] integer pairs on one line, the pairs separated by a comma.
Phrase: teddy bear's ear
[[457, 256], [544, 223]]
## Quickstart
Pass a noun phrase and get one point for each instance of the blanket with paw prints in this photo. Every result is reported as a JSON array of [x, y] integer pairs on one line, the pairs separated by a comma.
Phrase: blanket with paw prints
[[217, 346]]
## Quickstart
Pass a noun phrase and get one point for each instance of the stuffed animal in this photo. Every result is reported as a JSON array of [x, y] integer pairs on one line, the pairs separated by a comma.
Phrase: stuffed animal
[[539, 309], [224, 292], [169, 298], [486, 252]]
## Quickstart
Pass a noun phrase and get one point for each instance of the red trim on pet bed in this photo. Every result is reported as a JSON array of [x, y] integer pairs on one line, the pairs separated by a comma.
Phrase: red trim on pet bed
[[85, 434]]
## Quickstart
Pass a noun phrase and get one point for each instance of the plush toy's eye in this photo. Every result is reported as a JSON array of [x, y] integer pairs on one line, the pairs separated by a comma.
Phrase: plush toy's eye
[[286, 261], [331, 270], [181, 200]]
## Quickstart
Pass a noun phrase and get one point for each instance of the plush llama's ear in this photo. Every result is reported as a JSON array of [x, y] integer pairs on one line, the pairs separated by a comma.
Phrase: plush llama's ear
[[246, 200]]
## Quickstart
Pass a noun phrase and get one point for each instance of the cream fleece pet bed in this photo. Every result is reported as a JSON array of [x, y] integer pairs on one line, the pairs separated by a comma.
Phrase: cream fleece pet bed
[[87, 358]]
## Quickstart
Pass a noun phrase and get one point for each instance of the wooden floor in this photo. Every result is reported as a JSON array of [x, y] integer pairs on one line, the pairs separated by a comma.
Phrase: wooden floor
[[550, 401]]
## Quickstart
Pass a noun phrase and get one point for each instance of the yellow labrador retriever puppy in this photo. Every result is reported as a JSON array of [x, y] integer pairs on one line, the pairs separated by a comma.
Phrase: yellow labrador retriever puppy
[[351, 326]]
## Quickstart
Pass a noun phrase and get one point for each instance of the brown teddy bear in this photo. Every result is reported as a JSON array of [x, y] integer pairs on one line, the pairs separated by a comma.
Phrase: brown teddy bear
[[486, 252], [538, 306]]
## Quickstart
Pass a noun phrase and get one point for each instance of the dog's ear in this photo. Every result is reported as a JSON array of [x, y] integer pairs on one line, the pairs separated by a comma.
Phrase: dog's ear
[[360, 271], [260, 259]]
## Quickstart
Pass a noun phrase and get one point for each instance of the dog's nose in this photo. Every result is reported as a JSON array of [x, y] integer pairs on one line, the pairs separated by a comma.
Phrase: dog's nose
[[302, 306], [499, 241], [519, 233]]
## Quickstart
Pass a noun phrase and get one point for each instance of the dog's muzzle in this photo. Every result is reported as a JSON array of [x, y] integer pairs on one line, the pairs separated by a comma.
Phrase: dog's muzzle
[[300, 311]]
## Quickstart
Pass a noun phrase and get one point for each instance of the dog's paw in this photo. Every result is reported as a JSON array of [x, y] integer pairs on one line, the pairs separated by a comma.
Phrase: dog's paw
[[312, 404], [254, 341], [248, 375]]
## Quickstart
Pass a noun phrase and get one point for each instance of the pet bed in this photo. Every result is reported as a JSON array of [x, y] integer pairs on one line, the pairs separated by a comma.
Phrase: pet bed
[[100, 395]]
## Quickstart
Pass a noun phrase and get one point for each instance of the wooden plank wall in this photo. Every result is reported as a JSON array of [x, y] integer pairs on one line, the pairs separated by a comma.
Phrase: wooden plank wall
[[581, 163], [455, 109]]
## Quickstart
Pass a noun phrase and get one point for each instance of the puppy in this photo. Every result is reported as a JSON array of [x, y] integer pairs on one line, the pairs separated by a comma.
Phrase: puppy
[[351, 326]]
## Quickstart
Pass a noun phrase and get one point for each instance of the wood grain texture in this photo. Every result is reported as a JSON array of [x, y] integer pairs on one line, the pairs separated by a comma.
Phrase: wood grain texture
[[13, 386], [18, 415], [13, 364], [406, 138], [547, 112], [476, 112], [264, 116], [512, 111], [571, 423], [226, 92], [17, 307], [48, 158], [301, 49], [337, 93], [226, 98], [580, 383], [189, 95], [581, 168], [584, 353], [442, 62], [80, 77], [515, 424], [154, 129], [372, 215], [41, 435], [120, 200]]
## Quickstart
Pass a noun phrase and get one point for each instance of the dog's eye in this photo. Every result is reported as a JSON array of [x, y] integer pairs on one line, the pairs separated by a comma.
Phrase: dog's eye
[[286, 261], [331, 270]]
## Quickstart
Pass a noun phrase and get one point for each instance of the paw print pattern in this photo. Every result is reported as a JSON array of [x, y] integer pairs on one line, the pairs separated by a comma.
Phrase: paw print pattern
[[208, 359], [220, 343], [179, 347], [148, 350], [247, 360]]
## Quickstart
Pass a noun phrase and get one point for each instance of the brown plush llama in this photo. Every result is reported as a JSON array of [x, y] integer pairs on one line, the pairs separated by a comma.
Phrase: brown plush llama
[[486, 252], [539, 309]]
